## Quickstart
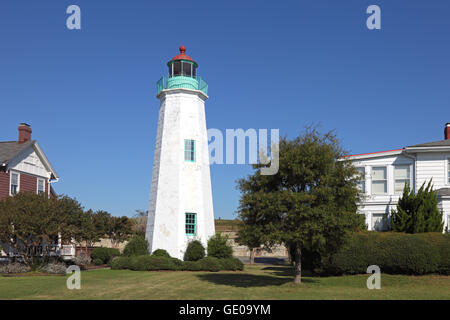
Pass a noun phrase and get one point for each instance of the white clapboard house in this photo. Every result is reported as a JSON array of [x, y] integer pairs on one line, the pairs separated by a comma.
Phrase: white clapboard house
[[386, 172]]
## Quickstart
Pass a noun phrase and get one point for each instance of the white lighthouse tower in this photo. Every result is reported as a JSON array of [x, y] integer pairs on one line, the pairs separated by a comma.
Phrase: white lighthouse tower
[[181, 207]]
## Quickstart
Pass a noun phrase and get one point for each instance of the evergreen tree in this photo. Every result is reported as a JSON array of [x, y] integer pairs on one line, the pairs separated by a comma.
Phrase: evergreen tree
[[419, 212]]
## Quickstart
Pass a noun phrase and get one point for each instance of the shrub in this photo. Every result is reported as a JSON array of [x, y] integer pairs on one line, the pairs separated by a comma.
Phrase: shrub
[[161, 253], [191, 266], [119, 263], [218, 247], [14, 267], [104, 254], [82, 260], [231, 264], [55, 268], [98, 262], [149, 263], [194, 251], [210, 264], [394, 253], [136, 247]]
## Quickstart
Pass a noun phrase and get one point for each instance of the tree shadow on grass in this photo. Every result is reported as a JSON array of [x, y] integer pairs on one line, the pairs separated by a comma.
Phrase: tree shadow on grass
[[287, 272], [243, 280]]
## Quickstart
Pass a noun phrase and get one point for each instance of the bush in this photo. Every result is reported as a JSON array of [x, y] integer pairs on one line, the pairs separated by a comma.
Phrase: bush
[[149, 263], [395, 253], [55, 268], [82, 260], [161, 253], [119, 263], [105, 255], [192, 266], [194, 251], [13, 268], [218, 247], [137, 246], [231, 264], [98, 262], [210, 264]]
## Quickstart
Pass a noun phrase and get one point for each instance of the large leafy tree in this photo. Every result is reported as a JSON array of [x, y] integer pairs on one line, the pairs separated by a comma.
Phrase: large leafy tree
[[310, 203], [119, 229], [29, 220], [417, 212]]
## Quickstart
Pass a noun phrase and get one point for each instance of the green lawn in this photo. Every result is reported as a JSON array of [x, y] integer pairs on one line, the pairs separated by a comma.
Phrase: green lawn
[[256, 282]]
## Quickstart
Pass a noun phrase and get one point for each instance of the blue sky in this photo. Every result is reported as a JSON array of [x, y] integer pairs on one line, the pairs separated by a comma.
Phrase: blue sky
[[90, 94]]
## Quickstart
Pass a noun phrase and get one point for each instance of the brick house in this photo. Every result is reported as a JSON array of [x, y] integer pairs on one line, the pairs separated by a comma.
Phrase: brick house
[[24, 166]]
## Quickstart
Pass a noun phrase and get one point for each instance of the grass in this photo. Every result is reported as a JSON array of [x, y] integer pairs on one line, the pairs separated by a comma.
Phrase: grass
[[255, 282]]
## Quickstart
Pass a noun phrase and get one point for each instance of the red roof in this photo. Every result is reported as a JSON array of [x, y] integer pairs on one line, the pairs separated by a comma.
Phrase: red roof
[[182, 55]]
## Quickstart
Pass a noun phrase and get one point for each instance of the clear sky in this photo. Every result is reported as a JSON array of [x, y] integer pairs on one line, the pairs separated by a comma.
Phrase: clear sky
[[89, 94]]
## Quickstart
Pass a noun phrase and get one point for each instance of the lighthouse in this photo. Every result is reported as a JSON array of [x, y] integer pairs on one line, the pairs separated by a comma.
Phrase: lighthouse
[[181, 206]]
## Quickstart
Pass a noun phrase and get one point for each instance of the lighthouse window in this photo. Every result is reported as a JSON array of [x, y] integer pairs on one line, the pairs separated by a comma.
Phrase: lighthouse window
[[189, 150], [177, 68], [191, 224], [187, 69]]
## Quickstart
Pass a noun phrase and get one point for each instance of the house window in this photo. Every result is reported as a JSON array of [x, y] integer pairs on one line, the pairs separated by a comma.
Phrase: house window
[[14, 183], [40, 186], [402, 175], [189, 150], [379, 222], [191, 224], [362, 182], [379, 180]]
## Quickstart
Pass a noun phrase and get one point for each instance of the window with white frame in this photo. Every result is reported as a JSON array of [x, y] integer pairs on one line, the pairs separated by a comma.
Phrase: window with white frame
[[379, 222], [402, 175], [379, 180], [14, 188], [40, 186], [362, 179]]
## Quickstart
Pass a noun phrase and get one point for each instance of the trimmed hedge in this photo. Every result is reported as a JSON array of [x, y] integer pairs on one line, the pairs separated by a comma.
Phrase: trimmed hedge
[[105, 255], [394, 253], [153, 263], [161, 253]]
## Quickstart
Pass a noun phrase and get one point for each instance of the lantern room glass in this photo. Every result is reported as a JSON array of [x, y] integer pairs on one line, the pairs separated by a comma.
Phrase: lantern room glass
[[182, 68]]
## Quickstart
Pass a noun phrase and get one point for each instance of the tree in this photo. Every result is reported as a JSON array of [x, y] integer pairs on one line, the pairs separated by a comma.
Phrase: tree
[[310, 203], [250, 233], [139, 221], [417, 212], [28, 221], [119, 230]]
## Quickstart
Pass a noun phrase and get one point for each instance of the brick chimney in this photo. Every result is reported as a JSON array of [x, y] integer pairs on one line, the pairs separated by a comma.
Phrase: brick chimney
[[447, 131], [24, 133]]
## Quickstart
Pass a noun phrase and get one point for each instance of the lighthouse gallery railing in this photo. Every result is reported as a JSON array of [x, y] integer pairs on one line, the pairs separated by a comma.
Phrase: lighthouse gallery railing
[[182, 82]]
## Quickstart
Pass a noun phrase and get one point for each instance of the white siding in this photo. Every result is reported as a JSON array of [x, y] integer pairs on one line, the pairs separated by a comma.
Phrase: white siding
[[432, 165]]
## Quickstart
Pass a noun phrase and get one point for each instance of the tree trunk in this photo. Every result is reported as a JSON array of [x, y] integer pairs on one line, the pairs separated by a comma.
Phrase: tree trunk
[[252, 255], [298, 264]]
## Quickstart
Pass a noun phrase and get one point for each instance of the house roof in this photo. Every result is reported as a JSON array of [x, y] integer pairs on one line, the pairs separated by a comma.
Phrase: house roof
[[440, 143], [10, 149], [443, 192]]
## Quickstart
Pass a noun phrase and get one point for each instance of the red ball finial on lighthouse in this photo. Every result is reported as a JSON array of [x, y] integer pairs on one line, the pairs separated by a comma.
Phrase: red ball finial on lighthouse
[[182, 49]]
